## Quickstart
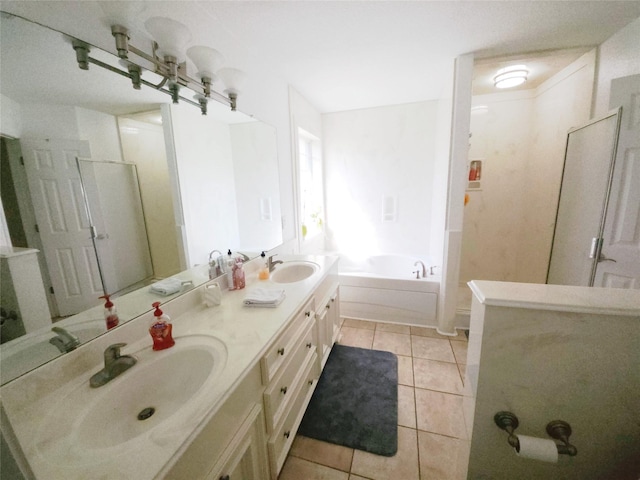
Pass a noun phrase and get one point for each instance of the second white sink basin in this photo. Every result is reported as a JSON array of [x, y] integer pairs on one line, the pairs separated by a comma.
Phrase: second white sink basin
[[290, 272]]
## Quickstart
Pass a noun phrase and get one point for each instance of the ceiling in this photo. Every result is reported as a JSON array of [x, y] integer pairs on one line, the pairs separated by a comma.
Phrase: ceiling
[[344, 55]]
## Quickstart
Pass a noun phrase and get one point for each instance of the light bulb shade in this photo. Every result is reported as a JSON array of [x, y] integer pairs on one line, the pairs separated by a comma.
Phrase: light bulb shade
[[172, 37], [233, 79], [511, 76], [206, 59]]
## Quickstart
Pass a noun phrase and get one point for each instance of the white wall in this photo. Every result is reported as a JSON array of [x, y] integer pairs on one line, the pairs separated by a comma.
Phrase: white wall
[[508, 225], [10, 117], [101, 131], [375, 153], [619, 56]]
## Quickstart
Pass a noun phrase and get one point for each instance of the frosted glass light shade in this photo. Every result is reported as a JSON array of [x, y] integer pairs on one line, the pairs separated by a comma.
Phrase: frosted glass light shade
[[511, 76], [233, 79], [206, 59], [172, 36]]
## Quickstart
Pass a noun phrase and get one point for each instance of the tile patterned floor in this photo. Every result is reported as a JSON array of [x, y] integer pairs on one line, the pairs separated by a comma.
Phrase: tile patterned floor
[[430, 421]]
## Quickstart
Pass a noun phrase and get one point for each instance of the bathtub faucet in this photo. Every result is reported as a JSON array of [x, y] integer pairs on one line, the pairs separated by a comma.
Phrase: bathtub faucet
[[424, 269]]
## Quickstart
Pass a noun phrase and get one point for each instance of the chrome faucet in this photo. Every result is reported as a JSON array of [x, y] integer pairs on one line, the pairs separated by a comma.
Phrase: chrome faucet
[[271, 264], [245, 258], [64, 340], [215, 269], [424, 269], [114, 365]]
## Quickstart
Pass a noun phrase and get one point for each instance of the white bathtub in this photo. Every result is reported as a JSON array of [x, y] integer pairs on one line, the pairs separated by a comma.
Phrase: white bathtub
[[385, 288]]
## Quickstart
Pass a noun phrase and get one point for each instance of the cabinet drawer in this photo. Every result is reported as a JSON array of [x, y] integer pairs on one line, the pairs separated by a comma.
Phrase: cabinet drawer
[[284, 346], [281, 439], [285, 383]]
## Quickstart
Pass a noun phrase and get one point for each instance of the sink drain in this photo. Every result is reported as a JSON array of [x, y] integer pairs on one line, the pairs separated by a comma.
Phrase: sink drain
[[146, 413]]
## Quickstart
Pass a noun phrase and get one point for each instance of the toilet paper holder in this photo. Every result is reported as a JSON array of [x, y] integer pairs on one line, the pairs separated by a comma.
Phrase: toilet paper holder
[[556, 429]]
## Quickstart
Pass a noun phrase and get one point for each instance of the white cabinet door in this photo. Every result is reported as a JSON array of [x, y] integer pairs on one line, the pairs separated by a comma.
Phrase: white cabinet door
[[245, 458]]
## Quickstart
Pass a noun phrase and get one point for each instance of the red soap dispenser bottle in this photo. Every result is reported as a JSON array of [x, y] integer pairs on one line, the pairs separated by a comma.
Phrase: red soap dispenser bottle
[[110, 313], [160, 329]]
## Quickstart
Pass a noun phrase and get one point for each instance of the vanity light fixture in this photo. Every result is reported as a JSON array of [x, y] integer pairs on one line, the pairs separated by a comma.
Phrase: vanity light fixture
[[168, 59], [512, 76]]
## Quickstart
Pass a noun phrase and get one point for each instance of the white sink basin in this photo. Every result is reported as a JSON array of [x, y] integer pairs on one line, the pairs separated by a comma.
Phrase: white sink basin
[[291, 272], [162, 391]]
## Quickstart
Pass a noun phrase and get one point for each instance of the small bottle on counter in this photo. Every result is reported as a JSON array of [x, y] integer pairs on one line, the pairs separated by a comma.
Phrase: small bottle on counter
[[263, 273], [110, 313], [160, 329], [229, 265], [238, 275]]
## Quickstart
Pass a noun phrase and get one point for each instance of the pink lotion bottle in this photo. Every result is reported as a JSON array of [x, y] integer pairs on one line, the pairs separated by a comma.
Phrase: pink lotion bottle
[[160, 329]]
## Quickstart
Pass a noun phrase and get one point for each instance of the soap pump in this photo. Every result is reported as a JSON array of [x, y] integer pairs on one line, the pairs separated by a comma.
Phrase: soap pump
[[110, 313], [230, 263], [160, 329], [263, 273]]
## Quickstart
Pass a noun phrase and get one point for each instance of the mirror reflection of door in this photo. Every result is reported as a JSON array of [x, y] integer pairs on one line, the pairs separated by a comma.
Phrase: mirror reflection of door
[[54, 184], [113, 198]]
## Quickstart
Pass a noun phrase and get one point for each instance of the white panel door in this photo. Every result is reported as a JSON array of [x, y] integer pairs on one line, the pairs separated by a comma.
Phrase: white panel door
[[619, 265], [54, 184]]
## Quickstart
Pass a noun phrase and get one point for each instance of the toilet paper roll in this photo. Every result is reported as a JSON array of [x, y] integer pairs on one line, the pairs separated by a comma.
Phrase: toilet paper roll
[[542, 449], [212, 295]]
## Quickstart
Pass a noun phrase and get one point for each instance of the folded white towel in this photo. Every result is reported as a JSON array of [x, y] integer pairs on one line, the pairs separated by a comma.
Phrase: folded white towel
[[167, 286], [263, 297]]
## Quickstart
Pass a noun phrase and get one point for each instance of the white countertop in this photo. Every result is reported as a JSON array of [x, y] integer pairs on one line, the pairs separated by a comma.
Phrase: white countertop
[[246, 333], [613, 301]]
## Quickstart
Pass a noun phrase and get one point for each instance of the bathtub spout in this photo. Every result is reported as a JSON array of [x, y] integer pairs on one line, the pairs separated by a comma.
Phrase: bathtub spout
[[424, 269]]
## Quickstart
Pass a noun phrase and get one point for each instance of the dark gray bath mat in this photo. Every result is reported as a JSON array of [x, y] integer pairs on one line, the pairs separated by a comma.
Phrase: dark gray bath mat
[[355, 403]]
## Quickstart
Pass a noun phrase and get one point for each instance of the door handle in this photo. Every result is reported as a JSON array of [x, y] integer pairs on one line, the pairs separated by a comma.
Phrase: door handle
[[102, 236], [602, 258]]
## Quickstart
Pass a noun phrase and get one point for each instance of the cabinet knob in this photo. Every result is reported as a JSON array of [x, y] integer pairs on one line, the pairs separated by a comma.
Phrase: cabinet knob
[[225, 477], [307, 314], [281, 351], [286, 434], [310, 382], [328, 306], [309, 345], [284, 390]]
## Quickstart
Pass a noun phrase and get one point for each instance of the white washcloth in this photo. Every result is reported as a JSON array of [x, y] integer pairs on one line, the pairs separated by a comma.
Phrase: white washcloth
[[264, 297], [167, 286]]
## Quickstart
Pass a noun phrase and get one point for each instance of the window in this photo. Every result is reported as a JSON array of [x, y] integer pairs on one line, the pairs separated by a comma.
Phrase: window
[[310, 185]]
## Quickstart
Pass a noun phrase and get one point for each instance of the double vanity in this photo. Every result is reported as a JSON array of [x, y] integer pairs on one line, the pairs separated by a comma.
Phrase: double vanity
[[225, 402]]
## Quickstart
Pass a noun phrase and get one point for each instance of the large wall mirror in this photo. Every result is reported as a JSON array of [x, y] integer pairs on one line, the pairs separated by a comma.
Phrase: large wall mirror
[[160, 185]]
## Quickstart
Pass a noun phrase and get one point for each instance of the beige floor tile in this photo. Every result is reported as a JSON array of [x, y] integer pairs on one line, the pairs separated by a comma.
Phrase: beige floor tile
[[460, 351], [297, 469], [426, 332], [405, 370], [435, 375], [440, 456], [439, 412], [406, 407], [327, 454], [462, 368], [357, 477], [351, 322], [403, 464], [356, 337], [432, 348], [394, 328], [392, 342]]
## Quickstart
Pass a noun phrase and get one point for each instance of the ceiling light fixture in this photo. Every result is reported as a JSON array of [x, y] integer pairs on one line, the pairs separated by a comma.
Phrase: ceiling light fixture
[[512, 76], [168, 59]]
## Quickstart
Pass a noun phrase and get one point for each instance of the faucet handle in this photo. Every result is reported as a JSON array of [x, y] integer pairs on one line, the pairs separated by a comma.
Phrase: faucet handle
[[112, 352]]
